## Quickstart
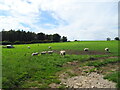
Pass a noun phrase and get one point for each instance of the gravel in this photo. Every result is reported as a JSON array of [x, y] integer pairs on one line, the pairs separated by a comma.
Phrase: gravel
[[93, 80]]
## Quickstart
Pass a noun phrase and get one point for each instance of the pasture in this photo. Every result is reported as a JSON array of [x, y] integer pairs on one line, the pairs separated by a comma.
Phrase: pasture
[[21, 70]]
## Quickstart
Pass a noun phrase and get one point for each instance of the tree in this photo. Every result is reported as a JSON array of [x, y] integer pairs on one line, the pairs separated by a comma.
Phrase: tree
[[64, 39], [21, 36], [56, 37], [41, 36], [108, 39], [49, 37], [117, 38]]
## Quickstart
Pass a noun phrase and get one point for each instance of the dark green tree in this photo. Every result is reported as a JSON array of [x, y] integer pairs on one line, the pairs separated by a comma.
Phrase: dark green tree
[[21, 36], [64, 39], [41, 36], [56, 37], [49, 37]]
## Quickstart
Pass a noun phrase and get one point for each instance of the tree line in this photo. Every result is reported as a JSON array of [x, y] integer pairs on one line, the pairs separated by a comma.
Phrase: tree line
[[23, 37]]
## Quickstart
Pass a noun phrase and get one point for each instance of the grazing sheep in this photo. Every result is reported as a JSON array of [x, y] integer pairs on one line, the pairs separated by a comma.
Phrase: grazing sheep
[[50, 47], [50, 52], [62, 53], [33, 54], [10, 46], [86, 49], [107, 49], [43, 52], [28, 47]]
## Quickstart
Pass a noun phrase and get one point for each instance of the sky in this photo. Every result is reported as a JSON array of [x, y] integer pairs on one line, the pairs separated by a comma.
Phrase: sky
[[76, 19]]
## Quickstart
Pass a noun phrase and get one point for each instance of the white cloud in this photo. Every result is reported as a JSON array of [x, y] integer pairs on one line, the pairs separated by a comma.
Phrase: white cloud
[[86, 19]]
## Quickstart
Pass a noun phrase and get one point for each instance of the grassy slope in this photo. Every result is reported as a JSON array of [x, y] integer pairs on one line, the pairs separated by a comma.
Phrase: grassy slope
[[19, 66]]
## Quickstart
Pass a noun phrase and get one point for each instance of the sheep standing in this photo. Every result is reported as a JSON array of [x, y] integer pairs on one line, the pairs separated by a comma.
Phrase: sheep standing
[[50, 52], [28, 47], [33, 54], [86, 49], [62, 53], [107, 49], [43, 52]]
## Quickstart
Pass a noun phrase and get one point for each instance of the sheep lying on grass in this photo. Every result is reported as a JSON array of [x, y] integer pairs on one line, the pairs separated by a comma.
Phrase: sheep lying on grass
[[9, 46], [62, 53], [50, 52], [33, 54], [49, 47], [43, 52], [86, 49], [107, 49]]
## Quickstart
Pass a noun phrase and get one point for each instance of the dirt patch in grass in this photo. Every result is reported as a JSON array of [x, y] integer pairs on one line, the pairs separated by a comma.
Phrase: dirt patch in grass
[[110, 57], [93, 80], [77, 76], [82, 77], [78, 52], [109, 68], [54, 85]]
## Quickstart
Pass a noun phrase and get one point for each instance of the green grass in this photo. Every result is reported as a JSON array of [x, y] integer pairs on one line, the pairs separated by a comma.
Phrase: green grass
[[103, 62], [114, 77], [19, 66]]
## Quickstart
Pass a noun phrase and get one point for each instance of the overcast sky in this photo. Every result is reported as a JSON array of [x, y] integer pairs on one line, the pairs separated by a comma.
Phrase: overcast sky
[[76, 19]]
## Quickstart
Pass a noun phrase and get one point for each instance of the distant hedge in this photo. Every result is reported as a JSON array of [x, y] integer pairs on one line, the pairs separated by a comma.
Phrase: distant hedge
[[6, 42], [23, 42]]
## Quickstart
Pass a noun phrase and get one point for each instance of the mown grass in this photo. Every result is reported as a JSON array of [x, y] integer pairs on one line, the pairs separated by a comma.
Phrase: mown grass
[[20, 69]]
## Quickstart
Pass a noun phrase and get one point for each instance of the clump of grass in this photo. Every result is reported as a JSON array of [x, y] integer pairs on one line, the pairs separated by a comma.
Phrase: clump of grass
[[71, 74], [114, 77], [62, 86], [93, 70]]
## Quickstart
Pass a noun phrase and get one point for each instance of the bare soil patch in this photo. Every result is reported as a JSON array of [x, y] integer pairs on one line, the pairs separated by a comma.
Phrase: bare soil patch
[[93, 80], [87, 76], [54, 85], [78, 52]]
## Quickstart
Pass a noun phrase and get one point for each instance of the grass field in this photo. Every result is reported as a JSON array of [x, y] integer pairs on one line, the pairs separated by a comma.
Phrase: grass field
[[20, 69]]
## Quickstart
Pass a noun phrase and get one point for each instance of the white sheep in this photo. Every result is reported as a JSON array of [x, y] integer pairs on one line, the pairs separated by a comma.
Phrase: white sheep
[[50, 52], [107, 49], [28, 47], [62, 53], [43, 52], [49, 47], [33, 54], [10, 46], [86, 49]]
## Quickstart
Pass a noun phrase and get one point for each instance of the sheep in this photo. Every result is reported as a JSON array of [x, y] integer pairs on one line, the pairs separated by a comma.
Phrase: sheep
[[10, 46], [49, 47], [62, 53], [33, 54], [50, 52], [107, 49], [28, 47], [86, 49], [43, 52]]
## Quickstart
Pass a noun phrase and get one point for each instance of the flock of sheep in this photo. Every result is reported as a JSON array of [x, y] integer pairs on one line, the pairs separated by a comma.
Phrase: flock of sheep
[[62, 52]]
